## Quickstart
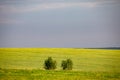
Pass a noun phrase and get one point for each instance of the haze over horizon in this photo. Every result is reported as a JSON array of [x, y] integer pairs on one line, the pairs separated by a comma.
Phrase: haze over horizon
[[59, 23]]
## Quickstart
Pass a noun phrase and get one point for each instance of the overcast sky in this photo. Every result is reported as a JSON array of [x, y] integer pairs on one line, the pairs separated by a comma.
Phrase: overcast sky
[[59, 23]]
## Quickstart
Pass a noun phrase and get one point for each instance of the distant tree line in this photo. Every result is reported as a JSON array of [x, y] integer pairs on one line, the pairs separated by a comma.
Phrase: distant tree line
[[50, 64]]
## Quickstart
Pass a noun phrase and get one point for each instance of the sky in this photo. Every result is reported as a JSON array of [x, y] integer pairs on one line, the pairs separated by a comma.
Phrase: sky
[[60, 23]]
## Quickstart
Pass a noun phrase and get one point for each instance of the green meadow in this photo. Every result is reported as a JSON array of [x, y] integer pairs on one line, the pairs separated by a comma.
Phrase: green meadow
[[88, 64]]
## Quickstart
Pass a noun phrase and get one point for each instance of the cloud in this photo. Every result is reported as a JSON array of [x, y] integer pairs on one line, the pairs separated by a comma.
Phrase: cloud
[[49, 5], [108, 2], [43, 6], [58, 5]]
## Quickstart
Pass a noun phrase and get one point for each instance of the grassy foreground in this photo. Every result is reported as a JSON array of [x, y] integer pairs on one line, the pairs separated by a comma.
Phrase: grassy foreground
[[13, 74], [27, 64]]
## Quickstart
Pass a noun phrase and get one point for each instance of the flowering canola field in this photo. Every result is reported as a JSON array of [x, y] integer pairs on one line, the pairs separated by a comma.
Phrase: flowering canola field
[[83, 59]]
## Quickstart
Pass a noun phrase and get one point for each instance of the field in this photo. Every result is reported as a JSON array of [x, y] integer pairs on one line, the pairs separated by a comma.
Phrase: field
[[88, 64]]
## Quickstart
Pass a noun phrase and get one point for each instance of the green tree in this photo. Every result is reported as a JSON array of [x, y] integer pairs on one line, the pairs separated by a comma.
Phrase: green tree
[[64, 65], [50, 64], [67, 64]]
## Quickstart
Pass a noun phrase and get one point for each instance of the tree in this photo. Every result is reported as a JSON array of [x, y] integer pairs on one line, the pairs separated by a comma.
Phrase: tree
[[67, 64], [50, 64], [64, 64]]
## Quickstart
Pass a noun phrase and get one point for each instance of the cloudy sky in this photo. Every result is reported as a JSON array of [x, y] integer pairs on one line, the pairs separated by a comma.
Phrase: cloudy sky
[[59, 23]]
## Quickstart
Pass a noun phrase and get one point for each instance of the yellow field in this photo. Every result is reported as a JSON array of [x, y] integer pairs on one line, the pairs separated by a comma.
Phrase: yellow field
[[83, 59]]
